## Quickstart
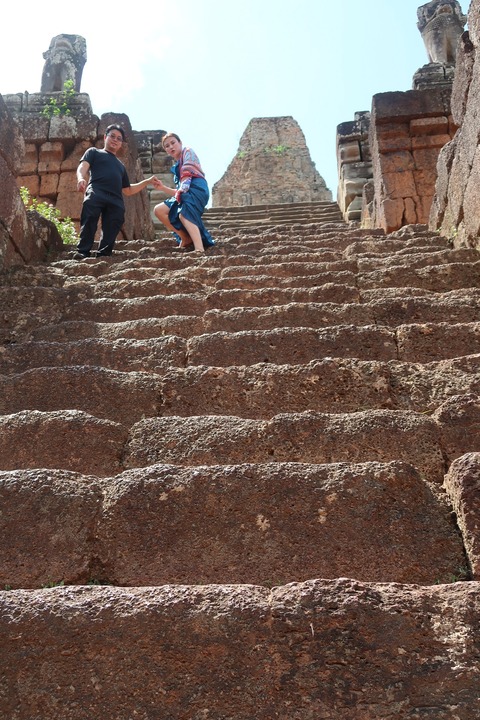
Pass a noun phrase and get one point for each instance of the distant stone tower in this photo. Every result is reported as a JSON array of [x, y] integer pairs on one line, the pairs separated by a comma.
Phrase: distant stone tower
[[272, 165]]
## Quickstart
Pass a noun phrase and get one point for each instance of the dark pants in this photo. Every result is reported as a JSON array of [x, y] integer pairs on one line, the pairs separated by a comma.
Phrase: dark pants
[[113, 217]]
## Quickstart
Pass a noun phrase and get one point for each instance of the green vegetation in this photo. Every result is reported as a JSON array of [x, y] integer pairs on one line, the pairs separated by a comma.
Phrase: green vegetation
[[65, 226], [53, 585], [276, 149], [63, 105], [462, 574], [242, 154]]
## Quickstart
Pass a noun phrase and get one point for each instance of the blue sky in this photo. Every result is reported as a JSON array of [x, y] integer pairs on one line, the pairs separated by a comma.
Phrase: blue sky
[[205, 68]]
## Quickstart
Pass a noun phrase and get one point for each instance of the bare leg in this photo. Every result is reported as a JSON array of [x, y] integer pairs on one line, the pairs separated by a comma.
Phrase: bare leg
[[193, 232], [161, 212]]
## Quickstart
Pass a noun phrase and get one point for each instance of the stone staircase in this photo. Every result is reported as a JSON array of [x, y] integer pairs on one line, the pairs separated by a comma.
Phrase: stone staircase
[[245, 485], [251, 216]]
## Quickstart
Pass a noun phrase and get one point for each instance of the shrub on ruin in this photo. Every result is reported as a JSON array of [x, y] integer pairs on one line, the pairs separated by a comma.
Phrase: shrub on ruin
[[65, 226]]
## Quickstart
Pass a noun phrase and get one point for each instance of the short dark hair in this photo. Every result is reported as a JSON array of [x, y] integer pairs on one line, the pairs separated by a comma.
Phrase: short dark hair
[[116, 127]]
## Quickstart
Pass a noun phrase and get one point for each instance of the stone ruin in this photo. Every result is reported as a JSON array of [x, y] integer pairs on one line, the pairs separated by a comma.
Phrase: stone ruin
[[387, 157], [387, 162], [49, 146], [64, 61], [354, 164], [441, 24], [272, 165], [246, 485]]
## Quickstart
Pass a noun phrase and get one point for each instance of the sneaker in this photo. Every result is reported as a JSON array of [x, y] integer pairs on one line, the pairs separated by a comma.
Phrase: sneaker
[[79, 256]]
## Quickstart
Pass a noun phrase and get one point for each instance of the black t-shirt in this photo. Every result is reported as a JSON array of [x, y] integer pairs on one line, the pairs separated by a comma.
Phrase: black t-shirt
[[108, 176]]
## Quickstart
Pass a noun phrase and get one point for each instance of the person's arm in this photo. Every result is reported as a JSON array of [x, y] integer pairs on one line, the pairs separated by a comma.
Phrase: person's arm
[[159, 185], [83, 174], [137, 187], [189, 169]]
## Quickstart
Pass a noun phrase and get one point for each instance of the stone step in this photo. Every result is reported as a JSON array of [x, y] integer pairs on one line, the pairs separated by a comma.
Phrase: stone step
[[154, 355], [96, 446], [218, 433], [130, 282], [348, 287], [311, 437], [245, 210], [459, 307], [260, 246], [269, 214], [254, 250], [409, 343], [420, 343], [314, 261], [67, 439], [107, 310], [267, 525], [330, 385], [121, 397], [241, 651], [288, 273], [273, 216]]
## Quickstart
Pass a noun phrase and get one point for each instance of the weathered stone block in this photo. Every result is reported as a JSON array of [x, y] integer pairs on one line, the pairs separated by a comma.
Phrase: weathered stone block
[[49, 185], [68, 182], [349, 152], [462, 484], [31, 182], [50, 157], [397, 162], [392, 129], [30, 162], [387, 143], [430, 126], [35, 128], [72, 158], [410, 213], [429, 141], [426, 159], [392, 214], [353, 171], [399, 184], [410, 105], [62, 127], [70, 204]]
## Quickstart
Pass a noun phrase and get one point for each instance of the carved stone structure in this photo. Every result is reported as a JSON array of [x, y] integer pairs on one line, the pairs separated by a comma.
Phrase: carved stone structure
[[154, 161], [354, 164], [64, 60], [272, 165], [441, 24], [407, 132], [456, 206], [54, 146], [13, 220]]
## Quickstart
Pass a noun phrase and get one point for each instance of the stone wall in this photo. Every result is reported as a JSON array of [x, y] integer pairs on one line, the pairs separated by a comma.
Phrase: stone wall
[[272, 165], [14, 230], [154, 161], [456, 207], [54, 146], [354, 164], [407, 132]]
